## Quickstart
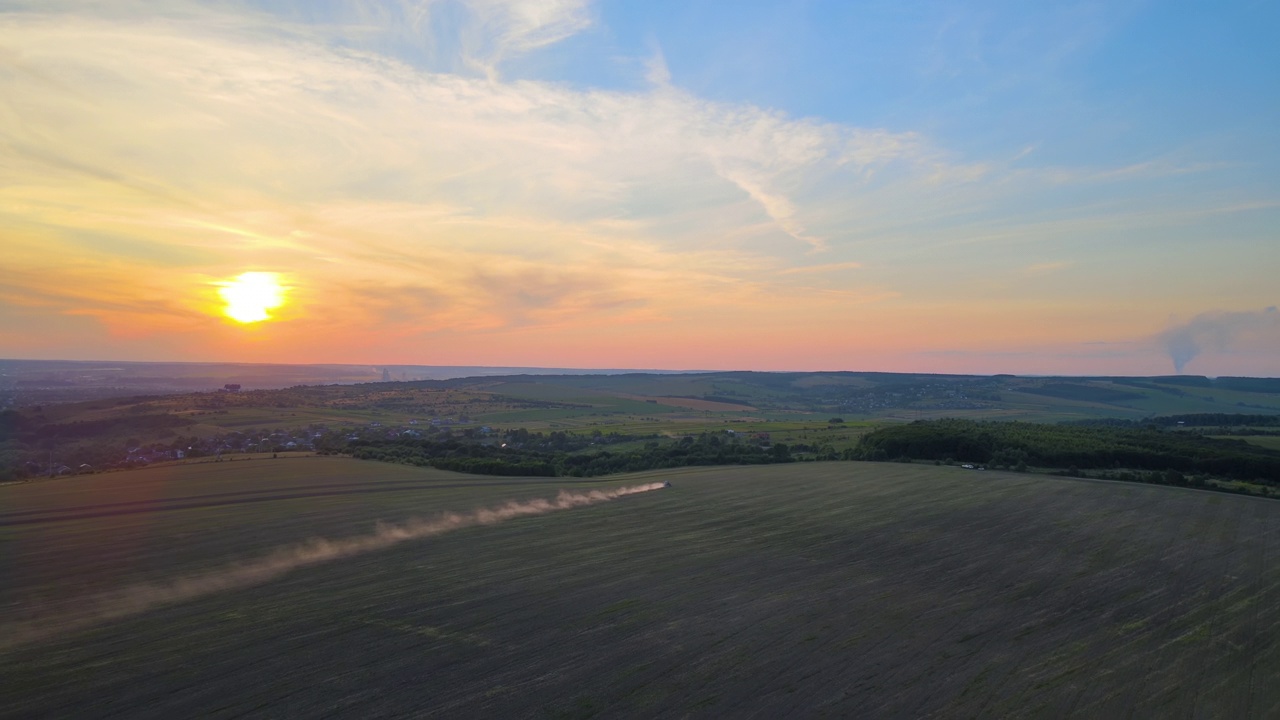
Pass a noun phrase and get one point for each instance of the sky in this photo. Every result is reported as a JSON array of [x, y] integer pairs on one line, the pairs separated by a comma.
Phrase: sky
[[1081, 188]]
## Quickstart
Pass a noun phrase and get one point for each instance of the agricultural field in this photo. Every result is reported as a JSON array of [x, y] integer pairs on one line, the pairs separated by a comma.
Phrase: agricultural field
[[819, 589], [793, 408], [1271, 442]]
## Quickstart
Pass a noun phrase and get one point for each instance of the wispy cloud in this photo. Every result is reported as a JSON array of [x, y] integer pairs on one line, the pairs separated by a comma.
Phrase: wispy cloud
[[257, 153], [1046, 267], [501, 30], [827, 268], [379, 154]]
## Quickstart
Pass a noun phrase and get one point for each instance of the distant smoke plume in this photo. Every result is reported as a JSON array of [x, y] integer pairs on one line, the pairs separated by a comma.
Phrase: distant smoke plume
[[137, 599], [1217, 331]]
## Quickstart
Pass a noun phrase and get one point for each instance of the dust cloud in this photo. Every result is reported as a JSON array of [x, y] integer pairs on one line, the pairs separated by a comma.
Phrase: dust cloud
[[137, 599]]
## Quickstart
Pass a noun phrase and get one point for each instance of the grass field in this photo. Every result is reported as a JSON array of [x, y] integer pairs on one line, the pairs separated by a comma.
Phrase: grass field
[[1266, 441], [814, 589], [107, 433]]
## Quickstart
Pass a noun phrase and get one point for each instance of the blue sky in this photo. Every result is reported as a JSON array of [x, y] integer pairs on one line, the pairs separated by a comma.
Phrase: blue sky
[[1083, 82], [971, 187]]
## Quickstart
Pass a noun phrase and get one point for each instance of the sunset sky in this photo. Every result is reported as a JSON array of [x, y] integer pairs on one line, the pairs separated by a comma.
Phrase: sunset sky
[[985, 187]]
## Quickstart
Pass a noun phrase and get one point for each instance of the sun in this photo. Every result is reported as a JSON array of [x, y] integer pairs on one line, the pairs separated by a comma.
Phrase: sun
[[251, 295]]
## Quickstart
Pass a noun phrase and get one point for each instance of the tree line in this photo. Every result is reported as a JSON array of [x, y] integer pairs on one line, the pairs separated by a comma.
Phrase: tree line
[[1072, 447], [1190, 420], [466, 456]]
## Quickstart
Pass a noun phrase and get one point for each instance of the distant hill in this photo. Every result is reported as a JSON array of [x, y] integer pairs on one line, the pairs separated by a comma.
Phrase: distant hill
[[28, 382], [911, 396], [69, 415], [866, 395]]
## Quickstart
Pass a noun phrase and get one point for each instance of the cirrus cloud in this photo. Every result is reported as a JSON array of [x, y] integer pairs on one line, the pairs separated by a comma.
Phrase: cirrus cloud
[[414, 195]]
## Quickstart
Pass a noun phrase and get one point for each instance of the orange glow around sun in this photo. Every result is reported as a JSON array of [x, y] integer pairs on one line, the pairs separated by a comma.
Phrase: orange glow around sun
[[251, 295]]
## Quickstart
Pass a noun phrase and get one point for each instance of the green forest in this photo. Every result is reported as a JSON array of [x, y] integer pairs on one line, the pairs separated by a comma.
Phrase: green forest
[[471, 457], [1116, 449]]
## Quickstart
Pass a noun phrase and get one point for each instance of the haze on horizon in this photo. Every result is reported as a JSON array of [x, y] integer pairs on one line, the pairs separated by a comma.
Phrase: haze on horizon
[[977, 187]]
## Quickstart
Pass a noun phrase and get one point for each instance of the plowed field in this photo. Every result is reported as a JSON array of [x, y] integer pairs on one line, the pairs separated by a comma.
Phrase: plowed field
[[814, 589]]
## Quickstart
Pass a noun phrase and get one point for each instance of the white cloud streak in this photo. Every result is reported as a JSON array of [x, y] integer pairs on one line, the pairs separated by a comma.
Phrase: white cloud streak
[[504, 29], [169, 144], [295, 149]]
